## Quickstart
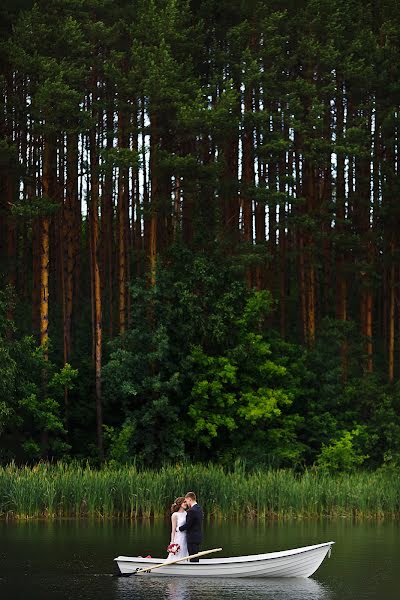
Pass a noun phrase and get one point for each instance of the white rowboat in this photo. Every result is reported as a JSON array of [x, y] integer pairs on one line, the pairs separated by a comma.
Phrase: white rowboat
[[300, 562]]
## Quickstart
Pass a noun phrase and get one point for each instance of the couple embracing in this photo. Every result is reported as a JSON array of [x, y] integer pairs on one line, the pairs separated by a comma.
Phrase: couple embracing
[[186, 527]]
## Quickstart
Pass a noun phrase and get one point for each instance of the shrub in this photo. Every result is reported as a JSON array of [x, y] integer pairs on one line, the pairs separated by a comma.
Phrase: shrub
[[342, 454]]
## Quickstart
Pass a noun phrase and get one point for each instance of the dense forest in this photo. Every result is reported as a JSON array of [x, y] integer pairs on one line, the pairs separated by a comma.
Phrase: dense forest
[[200, 231]]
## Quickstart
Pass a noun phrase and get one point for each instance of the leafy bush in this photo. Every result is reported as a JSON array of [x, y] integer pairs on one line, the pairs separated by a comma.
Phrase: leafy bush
[[342, 454], [31, 392]]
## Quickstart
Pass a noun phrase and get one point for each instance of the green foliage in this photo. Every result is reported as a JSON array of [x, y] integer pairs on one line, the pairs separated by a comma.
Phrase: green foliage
[[244, 394], [31, 391], [200, 369], [341, 455], [223, 382], [118, 157], [213, 383], [140, 378], [119, 443]]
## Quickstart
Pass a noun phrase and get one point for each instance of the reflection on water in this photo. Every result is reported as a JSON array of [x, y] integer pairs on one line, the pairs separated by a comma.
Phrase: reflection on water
[[74, 561], [174, 588]]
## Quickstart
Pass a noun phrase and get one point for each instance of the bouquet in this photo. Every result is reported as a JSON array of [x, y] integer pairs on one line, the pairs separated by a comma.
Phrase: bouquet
[[173, 548]]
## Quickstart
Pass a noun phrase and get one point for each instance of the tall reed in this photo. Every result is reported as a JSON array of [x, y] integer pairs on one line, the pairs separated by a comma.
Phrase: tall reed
[[63, 490]]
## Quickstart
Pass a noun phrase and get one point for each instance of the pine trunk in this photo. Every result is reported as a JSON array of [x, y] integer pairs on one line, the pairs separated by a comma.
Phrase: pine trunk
[[260, 205], [48, 184], [137, 207], [107, 227], [96, 283], [229, 184], [146, 195], [340, 228], [282, 242], [70, 246], [391, 324], [122, 225], [188, 201], [248, 173], [153, 245]]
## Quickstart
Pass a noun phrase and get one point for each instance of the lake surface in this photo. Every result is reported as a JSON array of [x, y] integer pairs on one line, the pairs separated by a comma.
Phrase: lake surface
[[73, 560]]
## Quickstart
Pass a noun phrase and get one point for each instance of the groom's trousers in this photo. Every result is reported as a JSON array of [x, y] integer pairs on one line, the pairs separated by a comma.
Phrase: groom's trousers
[[193, 549]]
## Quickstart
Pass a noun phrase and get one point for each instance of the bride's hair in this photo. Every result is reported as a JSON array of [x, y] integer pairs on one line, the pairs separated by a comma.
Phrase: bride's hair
[[177, 504]]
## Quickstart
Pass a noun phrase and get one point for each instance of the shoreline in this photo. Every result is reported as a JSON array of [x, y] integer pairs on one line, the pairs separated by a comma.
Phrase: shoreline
[[354, 518]]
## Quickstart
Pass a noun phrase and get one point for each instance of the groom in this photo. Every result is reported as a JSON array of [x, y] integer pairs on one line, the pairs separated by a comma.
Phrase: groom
[[193, 525]]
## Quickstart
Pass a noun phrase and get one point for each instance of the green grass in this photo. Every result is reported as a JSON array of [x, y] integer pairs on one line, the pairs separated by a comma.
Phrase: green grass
[[62, 490]]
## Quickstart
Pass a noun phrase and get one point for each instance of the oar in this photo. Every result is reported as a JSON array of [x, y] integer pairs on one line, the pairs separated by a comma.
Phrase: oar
[[173, 562]]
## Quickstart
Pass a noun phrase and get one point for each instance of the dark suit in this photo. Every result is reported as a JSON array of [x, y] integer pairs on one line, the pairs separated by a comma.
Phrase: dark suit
[[194, 530]]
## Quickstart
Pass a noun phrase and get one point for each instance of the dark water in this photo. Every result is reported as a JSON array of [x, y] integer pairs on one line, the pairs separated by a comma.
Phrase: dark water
[[73, 560]]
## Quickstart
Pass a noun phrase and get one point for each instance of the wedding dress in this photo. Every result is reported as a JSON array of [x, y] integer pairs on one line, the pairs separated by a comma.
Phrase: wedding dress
[[180, 538]]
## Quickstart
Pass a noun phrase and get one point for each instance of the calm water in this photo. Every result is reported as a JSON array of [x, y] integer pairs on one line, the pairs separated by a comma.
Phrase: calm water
[[73, 560]]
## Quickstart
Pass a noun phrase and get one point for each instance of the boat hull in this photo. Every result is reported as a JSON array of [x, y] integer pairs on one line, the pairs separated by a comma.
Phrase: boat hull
[[300, 562]]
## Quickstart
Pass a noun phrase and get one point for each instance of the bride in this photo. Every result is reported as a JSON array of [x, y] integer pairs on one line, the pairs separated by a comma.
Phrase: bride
[[178, 518]]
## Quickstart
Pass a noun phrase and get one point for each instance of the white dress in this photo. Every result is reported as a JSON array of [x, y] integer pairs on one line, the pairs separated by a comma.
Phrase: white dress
[[180, 537]]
